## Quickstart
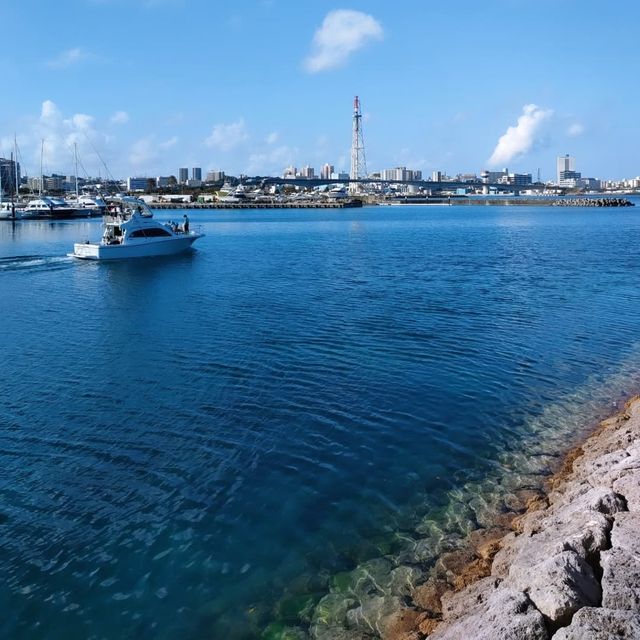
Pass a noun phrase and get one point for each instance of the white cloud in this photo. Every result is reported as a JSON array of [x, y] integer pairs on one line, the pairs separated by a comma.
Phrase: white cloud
[[147, 152], [271, 162], [576, 129], [143, 152], [272, 138], [228, 136], [343, 32], [520, 139], [168, 144], [68, 58], [119, 117], [59, 133]]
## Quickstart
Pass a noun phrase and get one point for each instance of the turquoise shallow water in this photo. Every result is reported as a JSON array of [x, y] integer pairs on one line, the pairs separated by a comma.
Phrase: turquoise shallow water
[[197, 446]]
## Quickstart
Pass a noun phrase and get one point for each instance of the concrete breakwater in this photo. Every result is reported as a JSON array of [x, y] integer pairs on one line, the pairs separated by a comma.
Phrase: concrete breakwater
[[593, 202], [569, 570], [546, 202], [304, 204]]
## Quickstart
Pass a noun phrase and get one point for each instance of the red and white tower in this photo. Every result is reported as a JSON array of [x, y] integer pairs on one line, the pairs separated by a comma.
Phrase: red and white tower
[[358, 160]]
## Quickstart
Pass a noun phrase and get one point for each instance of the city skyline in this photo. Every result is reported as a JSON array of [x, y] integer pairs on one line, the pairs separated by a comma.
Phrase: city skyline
[[267, 84]]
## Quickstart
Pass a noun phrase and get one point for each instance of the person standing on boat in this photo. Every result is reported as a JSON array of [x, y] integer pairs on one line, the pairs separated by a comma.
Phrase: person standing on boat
[[185, 224]]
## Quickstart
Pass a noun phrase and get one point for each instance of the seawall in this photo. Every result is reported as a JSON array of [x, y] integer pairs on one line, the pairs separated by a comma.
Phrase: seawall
[[568, 570]]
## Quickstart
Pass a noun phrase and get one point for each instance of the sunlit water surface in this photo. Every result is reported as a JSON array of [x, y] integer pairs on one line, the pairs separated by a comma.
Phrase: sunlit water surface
[[194, 447]]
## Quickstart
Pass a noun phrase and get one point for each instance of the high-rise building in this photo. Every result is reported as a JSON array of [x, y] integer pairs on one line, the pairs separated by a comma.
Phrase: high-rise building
[[183, 175], [326, 171], [196, 173], [8, 175], [215, 176], [290, 172], [564, 163], [401, 174], [307, 172]]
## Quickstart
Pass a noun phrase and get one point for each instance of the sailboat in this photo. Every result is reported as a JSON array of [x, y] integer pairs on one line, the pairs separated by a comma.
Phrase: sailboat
[[47, 206], [8, 209]]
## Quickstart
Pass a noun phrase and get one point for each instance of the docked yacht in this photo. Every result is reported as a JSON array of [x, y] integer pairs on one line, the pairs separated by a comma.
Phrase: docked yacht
[[8, 211], [47, 207], [131, 232]]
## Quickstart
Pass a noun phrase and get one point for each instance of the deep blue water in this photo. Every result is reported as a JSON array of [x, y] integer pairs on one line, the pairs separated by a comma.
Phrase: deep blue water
[[188, 443]]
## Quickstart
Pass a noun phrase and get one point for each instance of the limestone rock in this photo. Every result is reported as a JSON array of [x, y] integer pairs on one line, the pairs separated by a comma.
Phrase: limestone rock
[[628, 486], [621, 564], [506, 615], [471, 600], [584, 497], [620, 580], [558, 586], [624, 534], [601, 624]]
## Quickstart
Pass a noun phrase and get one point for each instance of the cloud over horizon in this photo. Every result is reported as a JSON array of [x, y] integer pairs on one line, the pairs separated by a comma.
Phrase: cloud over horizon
[[519, 140], [67, 58], [575, 130], [228, 136], [342, 33], [119, 117]]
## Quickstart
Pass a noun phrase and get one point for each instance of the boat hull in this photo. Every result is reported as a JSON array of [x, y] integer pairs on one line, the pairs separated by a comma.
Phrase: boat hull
[[145, 248]]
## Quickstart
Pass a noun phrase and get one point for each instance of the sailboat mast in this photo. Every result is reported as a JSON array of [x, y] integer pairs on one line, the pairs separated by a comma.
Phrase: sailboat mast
[[41, 176], [15, 149], [75, 150]]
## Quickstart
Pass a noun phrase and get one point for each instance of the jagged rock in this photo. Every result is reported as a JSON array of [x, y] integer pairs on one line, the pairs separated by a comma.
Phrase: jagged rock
[[506, 615], [510, 547], [558, 585], [601, 624], [621, 564], [624, 534], [585, 532], [584, 497], [471, 600], [620, 579], [628, 486]]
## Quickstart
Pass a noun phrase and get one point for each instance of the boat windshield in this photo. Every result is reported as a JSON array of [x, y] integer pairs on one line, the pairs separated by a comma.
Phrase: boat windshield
[[123, 208]]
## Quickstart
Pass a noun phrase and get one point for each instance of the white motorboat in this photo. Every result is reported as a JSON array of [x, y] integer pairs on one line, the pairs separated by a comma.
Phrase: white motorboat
[[48, 207], [131, 232], [8, 211]]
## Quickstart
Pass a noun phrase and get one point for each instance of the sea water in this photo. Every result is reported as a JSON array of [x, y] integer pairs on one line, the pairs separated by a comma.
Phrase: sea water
[[196, 446]]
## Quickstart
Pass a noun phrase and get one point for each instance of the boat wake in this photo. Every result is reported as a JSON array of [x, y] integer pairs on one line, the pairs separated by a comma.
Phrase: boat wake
[[34, 263]]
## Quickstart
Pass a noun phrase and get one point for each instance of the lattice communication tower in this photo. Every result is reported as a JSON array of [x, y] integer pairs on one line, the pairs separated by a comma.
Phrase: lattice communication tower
[[358, 159]]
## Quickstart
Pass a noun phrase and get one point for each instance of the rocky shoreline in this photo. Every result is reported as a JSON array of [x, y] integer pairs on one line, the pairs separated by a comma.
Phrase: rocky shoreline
[[569, 569]]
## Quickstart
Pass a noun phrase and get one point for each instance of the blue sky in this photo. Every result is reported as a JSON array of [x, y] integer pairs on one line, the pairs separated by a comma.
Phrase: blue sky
[[253, 86]]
